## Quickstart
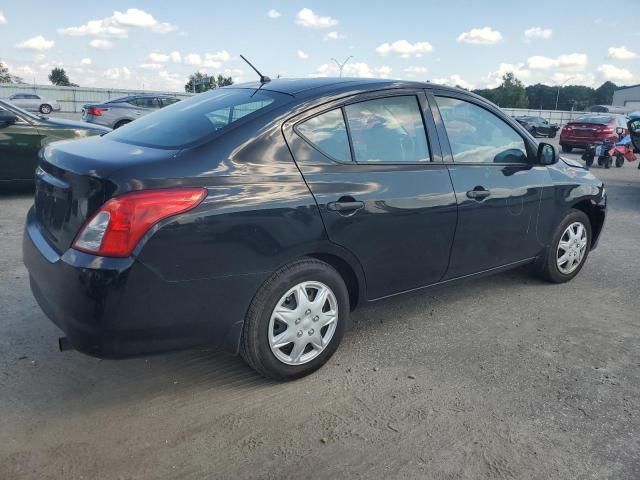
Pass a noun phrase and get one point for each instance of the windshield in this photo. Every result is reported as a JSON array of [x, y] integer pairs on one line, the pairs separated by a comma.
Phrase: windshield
[[18, 110], [190, 121], [599, 119]]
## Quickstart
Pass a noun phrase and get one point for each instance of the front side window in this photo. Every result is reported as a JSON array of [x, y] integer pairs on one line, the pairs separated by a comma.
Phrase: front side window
[[328, 133], [388, 130], [192, 120], [478, 136]]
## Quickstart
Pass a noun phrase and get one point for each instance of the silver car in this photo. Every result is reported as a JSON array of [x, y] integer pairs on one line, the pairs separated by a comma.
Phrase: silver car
[[34, 103], [117, 112]]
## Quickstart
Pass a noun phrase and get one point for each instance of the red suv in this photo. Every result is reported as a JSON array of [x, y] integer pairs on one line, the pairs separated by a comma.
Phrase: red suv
[[590, 129]]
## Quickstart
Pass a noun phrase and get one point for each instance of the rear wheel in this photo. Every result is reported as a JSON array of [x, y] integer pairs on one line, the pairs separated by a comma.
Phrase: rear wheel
[[566, 148], [569, 248], [588, 161], [121, 123], [619, 161], [45, 109], [296, 320]]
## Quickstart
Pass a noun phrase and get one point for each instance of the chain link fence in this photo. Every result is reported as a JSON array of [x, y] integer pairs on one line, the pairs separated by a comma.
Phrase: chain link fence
[[552, 116]]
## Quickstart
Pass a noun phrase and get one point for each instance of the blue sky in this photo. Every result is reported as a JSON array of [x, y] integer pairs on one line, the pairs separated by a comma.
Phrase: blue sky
[[156, 45]]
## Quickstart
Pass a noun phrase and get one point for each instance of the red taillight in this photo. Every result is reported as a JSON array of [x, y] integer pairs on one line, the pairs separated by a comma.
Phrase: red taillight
[[606, 130], [96, 111], [116, 229]]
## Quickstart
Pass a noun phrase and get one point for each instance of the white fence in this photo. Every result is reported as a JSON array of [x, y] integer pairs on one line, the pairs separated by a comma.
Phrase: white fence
[[71, 99], [553, 116]]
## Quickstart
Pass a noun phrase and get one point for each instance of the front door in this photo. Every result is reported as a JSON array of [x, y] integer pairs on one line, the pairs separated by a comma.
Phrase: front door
[[498, 187], [381, 187]]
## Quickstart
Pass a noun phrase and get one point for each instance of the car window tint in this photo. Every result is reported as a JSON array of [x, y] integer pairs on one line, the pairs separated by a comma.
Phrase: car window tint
[[328, 133], [477, 135], [195, 118], [388, 130]]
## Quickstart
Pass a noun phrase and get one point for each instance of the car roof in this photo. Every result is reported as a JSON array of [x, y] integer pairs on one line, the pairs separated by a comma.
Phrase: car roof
[[297, 86]]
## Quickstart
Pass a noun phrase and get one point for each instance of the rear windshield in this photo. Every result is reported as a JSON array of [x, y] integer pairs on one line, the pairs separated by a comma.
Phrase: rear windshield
[[188, 122], [599, 119]]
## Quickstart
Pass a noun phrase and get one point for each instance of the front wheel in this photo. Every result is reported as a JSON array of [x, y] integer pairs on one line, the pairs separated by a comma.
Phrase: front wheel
[[296, 320], [569, 248], [45, 109]]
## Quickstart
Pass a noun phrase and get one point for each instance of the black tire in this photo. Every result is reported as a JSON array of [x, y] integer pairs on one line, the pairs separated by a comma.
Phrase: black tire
[[254, 346], [121, 123], [45, 109], [547, 265], [619, 161], [566, 148], [589, 161], [607, 162], [552, 135]]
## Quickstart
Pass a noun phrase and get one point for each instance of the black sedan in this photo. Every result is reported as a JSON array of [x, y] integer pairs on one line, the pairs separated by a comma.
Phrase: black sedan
[[538, 126], [254, 218], [23, 134]]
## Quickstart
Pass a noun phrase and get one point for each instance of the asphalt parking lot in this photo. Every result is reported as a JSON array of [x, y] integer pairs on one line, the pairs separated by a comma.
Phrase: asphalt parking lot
[[505, 377]]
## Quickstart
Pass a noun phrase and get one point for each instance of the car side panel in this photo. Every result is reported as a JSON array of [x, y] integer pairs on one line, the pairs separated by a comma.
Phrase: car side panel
[[19, 146]]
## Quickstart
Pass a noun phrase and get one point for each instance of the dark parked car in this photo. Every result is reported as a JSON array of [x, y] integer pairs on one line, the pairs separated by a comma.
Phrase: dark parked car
[[23, 134], [117, 112], [254, 218], [538, 126], [590, 129]]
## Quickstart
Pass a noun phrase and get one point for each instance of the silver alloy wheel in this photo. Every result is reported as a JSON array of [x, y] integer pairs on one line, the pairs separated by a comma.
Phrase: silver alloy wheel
[[45, 109], [571, 248], [303, 323]]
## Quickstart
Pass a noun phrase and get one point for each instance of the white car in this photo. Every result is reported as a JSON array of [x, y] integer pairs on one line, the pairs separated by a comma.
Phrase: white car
[[34, 103]]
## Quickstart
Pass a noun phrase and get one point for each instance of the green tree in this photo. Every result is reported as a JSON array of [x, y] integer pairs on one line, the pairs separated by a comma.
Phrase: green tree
[[6, 77], [603, 95], [510, 94], [199, 82], [59, 77]]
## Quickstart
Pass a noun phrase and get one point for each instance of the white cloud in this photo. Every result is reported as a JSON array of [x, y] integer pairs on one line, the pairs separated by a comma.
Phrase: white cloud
[[273, 13], [38, 43], [571, 61], [100, 44], [221, 56], [537, 32], [413, 69], [480, 36], [118, 24], [334, 36], [454, 80], [192, 59], [151, 66], [118, 73], [404, 48], [613, 73], [307, 18], [494, 78], [3, 20], [561, 78], [357, 69], [85, 61], [302, 55], [621, 53], [156, 57]]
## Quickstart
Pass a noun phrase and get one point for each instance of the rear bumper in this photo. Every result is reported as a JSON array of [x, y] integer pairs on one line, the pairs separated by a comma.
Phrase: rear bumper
[[114, 308]]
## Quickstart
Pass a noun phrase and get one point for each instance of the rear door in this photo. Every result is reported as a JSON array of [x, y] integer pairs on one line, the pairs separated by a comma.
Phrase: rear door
[[498, 187], [19, 146], [382, 189]]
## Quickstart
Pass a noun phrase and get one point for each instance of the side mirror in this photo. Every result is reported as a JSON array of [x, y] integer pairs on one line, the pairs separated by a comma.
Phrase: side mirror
[[634, 131], [547, 154], [7, 118]]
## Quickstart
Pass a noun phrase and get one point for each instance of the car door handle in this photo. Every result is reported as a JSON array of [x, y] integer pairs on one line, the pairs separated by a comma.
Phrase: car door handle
[[478, 193], [349, 206]]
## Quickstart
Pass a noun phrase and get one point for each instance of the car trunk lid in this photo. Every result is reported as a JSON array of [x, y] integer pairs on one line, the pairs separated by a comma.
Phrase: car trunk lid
[[72, 182]]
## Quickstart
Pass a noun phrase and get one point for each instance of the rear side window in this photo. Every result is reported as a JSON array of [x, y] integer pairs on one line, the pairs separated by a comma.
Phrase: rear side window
[[388, 130], [194, 119], [479, 136], [328, 133]]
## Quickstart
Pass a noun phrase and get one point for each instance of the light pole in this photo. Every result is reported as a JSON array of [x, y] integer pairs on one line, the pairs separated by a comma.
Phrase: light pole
[[341, 65], [558, 94]]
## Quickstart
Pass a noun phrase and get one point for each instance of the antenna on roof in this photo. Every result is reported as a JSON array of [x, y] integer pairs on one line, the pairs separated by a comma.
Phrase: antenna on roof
[[263, 78]]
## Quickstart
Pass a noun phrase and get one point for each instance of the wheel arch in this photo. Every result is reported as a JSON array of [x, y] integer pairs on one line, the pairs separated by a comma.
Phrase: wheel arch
[[596, 218], [348, 272]]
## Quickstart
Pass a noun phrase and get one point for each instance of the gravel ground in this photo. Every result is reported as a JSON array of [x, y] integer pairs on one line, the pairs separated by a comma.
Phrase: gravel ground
[[505, 377]]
